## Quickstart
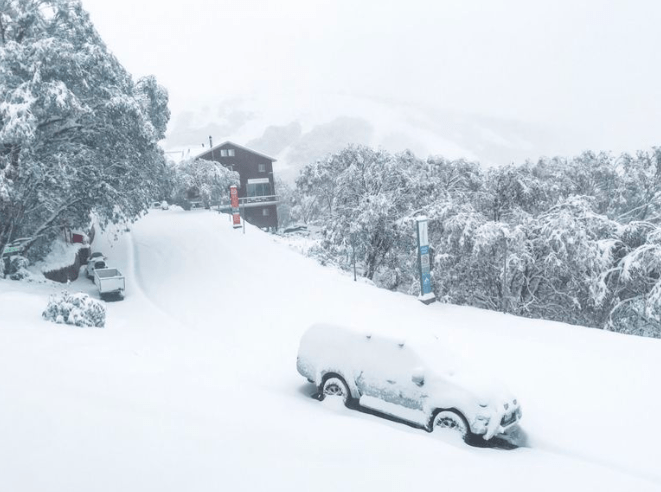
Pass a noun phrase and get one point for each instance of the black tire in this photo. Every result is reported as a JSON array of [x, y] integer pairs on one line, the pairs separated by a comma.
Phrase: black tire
[[453, 420], [335, 386]]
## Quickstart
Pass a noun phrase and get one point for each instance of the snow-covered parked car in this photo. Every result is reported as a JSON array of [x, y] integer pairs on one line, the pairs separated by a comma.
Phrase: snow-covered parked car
[[97, 255], [295, 228], [412, 378], [96, 260]]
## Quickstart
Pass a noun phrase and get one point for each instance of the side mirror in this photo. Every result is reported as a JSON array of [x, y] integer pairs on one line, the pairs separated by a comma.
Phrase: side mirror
[[418, 376]]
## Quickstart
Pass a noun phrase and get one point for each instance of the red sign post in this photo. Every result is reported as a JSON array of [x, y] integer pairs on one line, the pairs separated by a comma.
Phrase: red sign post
[[234, 200]]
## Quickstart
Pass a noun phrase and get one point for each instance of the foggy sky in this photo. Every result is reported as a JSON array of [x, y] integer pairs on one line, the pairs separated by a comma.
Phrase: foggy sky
[[588, 65]]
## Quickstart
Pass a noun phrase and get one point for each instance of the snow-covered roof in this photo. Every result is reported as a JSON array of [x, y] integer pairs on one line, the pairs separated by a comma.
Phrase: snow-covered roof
[[179, 153], [237, 146]]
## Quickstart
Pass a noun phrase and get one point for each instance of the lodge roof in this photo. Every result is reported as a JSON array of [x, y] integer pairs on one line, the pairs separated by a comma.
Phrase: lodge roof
[[237, 146]]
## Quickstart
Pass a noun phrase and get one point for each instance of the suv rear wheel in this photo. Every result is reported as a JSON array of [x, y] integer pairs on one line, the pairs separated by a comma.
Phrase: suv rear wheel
[[334, 386]]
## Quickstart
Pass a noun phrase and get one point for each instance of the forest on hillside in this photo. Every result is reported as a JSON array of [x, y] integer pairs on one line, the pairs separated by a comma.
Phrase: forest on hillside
[[567, 239]]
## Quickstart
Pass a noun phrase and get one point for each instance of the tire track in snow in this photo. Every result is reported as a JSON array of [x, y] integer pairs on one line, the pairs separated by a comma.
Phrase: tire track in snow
[[135, 276]]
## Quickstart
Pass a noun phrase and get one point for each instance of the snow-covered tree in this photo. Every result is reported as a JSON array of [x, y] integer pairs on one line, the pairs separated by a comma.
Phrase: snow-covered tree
[[569, 256], [358, 200], [319, 181], [76, 132], [639, 193], [568, 239], [202, 179], [286, 201], [630, 291], [510, 189]]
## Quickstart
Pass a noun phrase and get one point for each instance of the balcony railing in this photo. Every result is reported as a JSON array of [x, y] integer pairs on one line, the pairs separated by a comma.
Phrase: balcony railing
[[248, 202]]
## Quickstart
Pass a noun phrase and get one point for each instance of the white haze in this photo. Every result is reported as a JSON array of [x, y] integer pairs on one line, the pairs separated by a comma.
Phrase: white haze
[[585, 68]]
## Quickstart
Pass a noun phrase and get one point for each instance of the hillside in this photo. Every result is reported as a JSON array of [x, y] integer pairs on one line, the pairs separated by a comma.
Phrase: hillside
[[192, 385], [300, 128]]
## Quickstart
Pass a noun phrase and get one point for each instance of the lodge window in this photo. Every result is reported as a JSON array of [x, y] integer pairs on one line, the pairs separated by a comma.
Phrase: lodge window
[[230, 152], [262, 168], [266, 211], [223, 152], [258, 187]]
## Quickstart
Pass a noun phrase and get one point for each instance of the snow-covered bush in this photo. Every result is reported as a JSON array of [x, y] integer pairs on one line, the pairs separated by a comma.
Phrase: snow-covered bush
[[75, 309], [18, 268], [388, 278], [329, 254]]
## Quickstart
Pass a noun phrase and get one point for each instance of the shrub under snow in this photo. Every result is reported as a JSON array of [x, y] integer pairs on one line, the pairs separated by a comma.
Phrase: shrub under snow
[[75, 309]]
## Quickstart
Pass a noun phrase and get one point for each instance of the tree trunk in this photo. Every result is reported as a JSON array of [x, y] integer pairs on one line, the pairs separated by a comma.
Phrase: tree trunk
[[2, 32], [14, 154], [47, 224]]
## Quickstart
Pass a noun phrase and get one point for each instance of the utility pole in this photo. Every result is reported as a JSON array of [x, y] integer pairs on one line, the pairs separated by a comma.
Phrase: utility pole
[[244, 215]]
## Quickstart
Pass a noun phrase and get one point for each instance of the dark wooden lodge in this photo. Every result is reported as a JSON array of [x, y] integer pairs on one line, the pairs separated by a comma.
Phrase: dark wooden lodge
[[257, 190]]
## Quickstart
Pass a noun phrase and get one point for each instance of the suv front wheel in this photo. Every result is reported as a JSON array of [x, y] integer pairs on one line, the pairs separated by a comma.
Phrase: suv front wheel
[[452, 420]]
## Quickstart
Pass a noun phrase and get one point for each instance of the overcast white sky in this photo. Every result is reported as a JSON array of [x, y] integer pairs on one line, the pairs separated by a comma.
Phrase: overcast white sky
[[592, 65]]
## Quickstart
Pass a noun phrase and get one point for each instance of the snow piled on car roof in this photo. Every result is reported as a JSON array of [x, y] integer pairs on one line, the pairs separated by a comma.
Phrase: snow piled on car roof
[[436, 352]]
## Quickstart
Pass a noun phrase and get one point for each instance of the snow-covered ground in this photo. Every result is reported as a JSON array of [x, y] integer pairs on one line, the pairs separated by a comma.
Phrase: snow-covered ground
[[193, 385]]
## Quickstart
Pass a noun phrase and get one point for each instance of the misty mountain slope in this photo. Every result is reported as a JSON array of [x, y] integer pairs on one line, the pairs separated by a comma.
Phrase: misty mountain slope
[[299, 129], [193, 385]]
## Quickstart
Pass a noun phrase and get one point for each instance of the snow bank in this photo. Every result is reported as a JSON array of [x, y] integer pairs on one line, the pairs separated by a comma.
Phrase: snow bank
[[61, 255]]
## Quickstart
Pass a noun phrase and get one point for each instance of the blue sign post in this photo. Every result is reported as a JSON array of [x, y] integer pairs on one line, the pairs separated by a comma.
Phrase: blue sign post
[[424, 261]]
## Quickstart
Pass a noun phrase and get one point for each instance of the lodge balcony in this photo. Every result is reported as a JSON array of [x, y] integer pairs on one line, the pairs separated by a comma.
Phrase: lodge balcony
[[248, 202]]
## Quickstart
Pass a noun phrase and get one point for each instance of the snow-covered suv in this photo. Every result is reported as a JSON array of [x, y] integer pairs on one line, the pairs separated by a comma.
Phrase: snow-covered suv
[[413, 378]]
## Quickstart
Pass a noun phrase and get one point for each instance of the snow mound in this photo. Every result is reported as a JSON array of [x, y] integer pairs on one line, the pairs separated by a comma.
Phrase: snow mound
[[75, 309], [61, 255]]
